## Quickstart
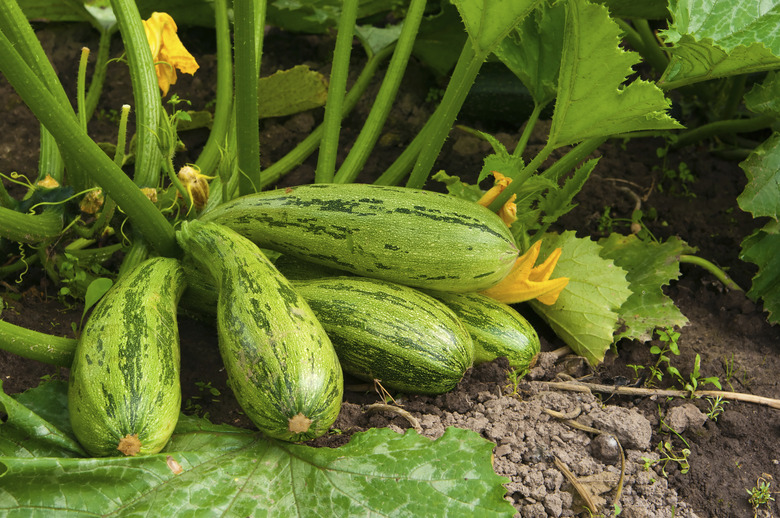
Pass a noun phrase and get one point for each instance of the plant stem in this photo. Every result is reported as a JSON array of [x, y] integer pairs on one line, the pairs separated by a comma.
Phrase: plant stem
[[146, 92], [54, 350], [86, 153], [566, 163], [30, 228], [210, 156], [463, 77], [81, 89], [727, 127], [405, 161], [714, 270], [337, 87], [652, 51], [365, 142], [14, 24], [529, 128], [99, 72], [308, 145], [246, 116], [736, 86]]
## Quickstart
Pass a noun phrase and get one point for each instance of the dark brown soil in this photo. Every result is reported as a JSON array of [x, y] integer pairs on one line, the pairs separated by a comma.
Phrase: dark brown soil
[[729, 331]]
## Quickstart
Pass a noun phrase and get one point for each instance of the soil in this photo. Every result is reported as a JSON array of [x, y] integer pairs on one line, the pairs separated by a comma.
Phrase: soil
[[730, 333]]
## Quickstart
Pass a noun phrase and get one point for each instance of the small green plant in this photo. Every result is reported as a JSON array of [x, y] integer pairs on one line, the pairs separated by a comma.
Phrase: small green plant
[[669, 454], [694, 379], [716, 407], [760, 494], [675, 181], [728, 367], [205, 386], [669, 339], [514, 376]]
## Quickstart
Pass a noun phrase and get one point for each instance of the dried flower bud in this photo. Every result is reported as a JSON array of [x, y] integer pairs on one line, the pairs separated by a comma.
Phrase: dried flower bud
[[150, 193], [196, 184], [92, 202], [48, 183]]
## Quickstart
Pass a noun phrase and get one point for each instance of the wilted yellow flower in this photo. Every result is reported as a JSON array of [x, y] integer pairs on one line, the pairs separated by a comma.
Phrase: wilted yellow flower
[[508, 212], [168, 52], [526, 282], [151, 193], [92, 202], [48, 182], [197, 185]]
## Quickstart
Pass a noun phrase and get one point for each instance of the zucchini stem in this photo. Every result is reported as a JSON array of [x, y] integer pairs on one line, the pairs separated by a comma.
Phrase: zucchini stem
[[718, 273]]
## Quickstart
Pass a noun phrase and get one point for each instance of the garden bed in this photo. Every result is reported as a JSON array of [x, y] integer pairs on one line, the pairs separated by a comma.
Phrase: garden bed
[[730, 333]]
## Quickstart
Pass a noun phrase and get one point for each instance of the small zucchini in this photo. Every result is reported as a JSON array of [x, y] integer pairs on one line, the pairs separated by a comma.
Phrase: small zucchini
[[413, 237], [124, 394], [496, 329], [280, 362], [381, 330]]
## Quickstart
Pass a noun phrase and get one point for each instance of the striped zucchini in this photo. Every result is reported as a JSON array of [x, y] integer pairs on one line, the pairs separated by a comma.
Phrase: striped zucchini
[[280, 362], [396, 334], [496, 329], [408, 236], [124, 394]]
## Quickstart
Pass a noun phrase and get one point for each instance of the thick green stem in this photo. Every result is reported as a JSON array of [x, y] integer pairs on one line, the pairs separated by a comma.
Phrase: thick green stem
[[86, 153], [375, 121], [311, 142], [736, 92], [463, 77], [212, 150], [54, 350], [728, 127], [337, 87], [711, 268], [99, 72], [405, 161], [652, 52], [529, 128], [247, 129], [81, 89], [146, 92], [30, 228]]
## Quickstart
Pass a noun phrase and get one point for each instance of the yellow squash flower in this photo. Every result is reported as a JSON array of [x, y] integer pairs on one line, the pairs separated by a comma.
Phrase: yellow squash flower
[[526, 282], [196, 184], [168, 52], [508, 212]]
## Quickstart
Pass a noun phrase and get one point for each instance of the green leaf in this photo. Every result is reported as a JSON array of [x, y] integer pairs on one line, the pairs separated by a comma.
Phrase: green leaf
[[533, 51], [377, 38], [718, 38], [96, 289], [458, 188], [227, 471], [764, 97], [761, 248], [489, 21], [25, 434], [291, 91], [440, 39], [586, 313], [761, 196], [592, 100], [649, 267], [648, 9], [558, 201]]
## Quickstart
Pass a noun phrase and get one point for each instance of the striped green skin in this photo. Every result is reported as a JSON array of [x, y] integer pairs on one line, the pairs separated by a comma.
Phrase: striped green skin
[[496, 329], [279, 360], [413, 237], [393, 333], [124, 378]]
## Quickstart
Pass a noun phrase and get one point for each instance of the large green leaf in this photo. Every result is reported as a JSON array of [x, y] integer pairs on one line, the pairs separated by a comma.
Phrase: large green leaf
[[718, 38], [649, 267], [220, 470], [764, 97], [533, 51], [761, 196], [592, 99], [586, 313], [489, 21], [762, 248]]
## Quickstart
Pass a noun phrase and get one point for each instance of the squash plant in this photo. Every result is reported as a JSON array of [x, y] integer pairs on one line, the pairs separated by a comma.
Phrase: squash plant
[[566, 53]]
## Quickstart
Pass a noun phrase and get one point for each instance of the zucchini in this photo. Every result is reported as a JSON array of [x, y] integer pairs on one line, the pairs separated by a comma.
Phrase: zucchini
[[280, 363], [404, 338], [496, 329], [124, 393], [408, 236]]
